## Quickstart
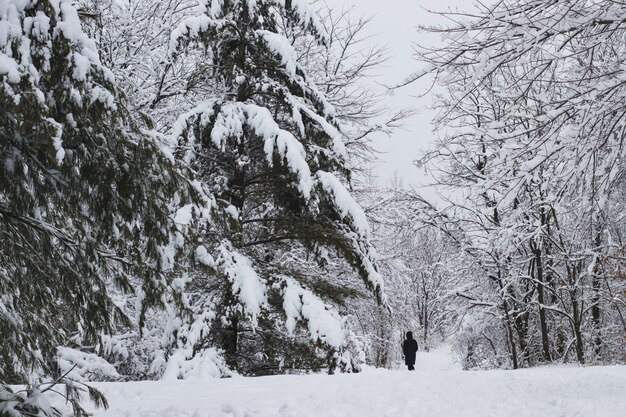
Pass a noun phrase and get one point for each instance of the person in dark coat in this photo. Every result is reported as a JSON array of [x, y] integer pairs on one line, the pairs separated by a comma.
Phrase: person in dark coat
[[409, 348]]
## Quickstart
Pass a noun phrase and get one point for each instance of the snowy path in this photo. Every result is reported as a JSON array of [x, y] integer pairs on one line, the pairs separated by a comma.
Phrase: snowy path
[[437, 389], [436, 360]]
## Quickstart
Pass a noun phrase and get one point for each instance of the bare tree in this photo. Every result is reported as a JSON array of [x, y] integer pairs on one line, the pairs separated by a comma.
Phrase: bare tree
[[534, 112], [345, 67]]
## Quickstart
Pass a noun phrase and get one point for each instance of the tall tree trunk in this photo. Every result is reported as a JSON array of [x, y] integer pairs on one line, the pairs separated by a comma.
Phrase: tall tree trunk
[[509, 331], [425, 325], [576, 317], [382, 352], [595, 308], [230, 343], [521, 326], [580, 351], [545, 341], [508, 322]]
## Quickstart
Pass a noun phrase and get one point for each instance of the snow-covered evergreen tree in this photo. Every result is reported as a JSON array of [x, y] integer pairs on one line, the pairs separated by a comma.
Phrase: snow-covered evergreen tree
[[270, 149], [84, 197]]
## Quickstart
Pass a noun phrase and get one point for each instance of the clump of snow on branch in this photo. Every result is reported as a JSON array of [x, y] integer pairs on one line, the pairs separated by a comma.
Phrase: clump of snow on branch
[[306, 15], [192, 28], [86, 55], [83, 366], [281, 46], [323, 323], [9, 67], [204, 257], [229, 122], [183, 127], [247, 286], [347, 205], [57, 141], [282, 142], [337, 137]]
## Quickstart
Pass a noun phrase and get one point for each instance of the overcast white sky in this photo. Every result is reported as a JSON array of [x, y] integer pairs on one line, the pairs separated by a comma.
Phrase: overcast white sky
[[394, 24]]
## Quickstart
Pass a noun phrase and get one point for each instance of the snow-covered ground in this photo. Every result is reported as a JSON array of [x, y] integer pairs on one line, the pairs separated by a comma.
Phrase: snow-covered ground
[[438, 388]]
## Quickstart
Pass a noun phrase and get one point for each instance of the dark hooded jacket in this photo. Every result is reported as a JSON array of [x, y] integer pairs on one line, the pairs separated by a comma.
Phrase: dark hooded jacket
[[409, 348]]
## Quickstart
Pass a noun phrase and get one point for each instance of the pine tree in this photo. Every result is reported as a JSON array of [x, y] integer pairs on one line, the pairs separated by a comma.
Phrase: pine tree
[[84, 197], [269, 147]]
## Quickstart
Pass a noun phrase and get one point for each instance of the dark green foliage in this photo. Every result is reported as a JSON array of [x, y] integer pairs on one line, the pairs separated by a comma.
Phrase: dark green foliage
[[269, 99], [83, 197]]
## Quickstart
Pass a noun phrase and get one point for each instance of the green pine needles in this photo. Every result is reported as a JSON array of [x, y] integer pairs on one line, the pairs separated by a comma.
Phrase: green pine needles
[[235, 220], [268, 145], [83, 196]]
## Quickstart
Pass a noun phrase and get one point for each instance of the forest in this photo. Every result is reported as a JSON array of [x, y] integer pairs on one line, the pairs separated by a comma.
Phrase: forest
[[186, 192]]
